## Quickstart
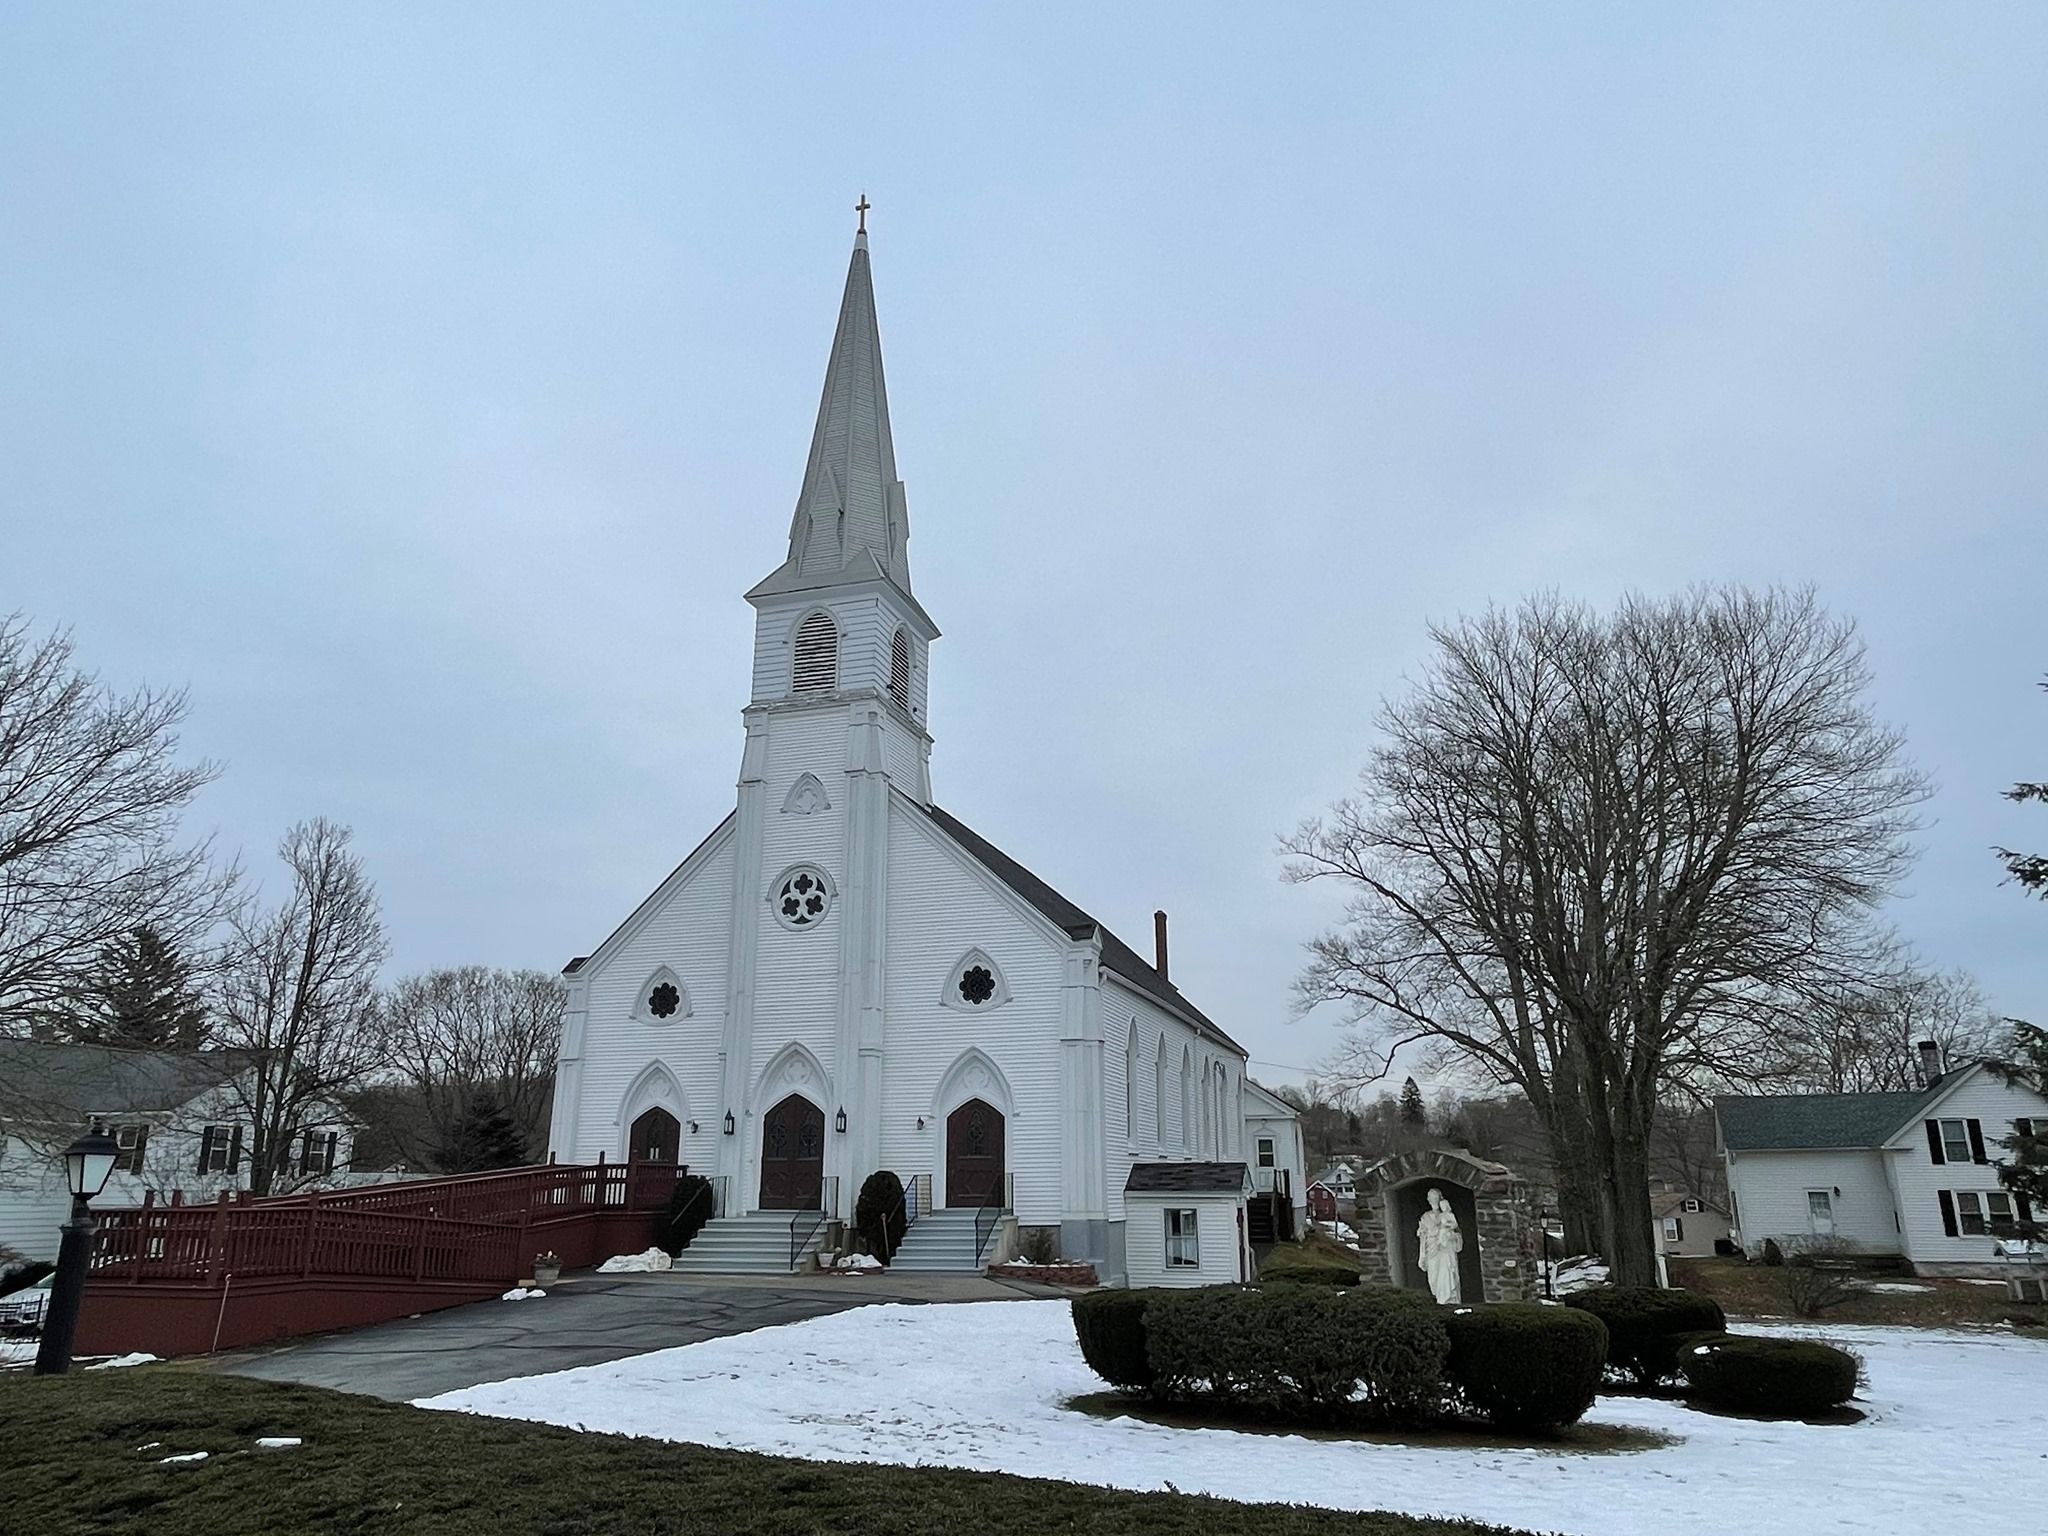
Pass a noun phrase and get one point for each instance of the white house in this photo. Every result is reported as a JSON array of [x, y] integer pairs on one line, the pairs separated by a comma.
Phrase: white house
[[1185, 1224], [1279, 1159], [1906, 1174], [844, 976], [178, 1116], [1688, 1226]]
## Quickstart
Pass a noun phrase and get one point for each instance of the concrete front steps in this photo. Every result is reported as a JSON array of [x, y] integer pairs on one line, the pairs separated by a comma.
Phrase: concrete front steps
[[941, 1243], [756, 1244]]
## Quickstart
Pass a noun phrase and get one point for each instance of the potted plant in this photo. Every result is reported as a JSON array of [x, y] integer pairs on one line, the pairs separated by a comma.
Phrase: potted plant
[[547, 1268]]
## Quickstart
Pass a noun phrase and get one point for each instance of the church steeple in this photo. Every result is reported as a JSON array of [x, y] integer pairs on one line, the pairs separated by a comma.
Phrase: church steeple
[[851, 523]]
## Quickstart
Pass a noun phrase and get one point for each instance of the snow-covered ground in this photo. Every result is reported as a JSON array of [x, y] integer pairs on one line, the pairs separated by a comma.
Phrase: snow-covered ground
[[981, 1385]]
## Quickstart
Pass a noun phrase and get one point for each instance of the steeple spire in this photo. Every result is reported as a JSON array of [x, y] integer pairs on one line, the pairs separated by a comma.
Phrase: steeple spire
[[851, 521]]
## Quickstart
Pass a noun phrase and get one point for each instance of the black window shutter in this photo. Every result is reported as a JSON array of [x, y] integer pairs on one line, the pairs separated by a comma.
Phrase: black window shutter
[[1934, 1141], [333, 1141], [2022, 1207], [205, 1148], [141, 1146], [1948, 1214], [235, 1151], [1977, 1142], [1679, 1223], [2023, 1127]]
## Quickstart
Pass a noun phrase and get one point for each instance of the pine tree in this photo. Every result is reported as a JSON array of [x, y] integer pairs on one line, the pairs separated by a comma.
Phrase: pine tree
[[1413, 1115], [144, 997], [483, 1137], [2025, 1172], [2029, 869]]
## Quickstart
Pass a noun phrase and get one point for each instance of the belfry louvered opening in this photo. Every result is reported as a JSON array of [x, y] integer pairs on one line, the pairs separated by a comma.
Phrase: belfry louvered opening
[[816, 667], [899, 669]]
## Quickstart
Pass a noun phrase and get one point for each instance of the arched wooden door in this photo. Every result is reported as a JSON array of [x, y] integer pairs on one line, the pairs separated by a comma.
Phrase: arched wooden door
[[792, 1155], [655, 1138], [974, 1153]]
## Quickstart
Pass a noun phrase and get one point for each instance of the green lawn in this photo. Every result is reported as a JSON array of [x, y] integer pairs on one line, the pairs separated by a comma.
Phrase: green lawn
[[70, 1461]]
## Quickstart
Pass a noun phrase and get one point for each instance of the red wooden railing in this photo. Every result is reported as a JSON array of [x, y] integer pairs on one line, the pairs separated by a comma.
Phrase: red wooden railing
[[319, 1258]]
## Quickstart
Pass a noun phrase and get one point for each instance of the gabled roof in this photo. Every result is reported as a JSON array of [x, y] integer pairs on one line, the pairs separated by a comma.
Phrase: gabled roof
[[1672, 1203], [1117, 956], [1814, 1122], [1186, 1178], [54, 1082], [1280, 1108]]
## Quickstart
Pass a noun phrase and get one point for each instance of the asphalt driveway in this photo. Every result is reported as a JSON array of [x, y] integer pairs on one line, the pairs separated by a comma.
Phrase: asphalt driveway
[[583, 1320]]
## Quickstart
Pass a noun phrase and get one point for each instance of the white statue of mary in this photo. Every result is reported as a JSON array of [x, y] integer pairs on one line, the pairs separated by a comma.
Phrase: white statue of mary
[[1438, 1244]]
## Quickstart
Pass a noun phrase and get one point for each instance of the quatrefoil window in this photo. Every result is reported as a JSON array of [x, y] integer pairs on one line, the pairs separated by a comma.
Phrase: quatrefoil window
[[803, 898]]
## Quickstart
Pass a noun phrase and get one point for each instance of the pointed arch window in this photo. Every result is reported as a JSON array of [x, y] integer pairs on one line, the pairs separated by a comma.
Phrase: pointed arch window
[[1131, 1084], [899, 669], [815, 667], [1159, 1096], [1187, 1100]]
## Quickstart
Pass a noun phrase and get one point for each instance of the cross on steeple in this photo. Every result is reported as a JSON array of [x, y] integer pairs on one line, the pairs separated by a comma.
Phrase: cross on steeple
[[862, 208]]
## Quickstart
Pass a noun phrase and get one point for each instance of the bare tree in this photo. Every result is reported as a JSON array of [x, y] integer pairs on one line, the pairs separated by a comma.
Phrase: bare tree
[[91, 789], [455, 1034], [297, 996], [1866, 1038], [1595, 858]]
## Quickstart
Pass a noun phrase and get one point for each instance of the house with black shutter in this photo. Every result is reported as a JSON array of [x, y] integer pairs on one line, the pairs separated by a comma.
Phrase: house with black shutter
[[179, 1116], [1911, 1175]]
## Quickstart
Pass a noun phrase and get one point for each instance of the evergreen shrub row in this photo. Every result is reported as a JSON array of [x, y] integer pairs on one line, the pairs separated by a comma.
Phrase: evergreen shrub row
[[1645, 1323], [1307, 1266], [1318, 1355], [1789, 1378]]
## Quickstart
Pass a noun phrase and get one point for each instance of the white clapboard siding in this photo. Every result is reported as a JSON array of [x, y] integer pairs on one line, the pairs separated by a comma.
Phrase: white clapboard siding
[[1770, 1191], [1218, 1245], [1918, 1180]]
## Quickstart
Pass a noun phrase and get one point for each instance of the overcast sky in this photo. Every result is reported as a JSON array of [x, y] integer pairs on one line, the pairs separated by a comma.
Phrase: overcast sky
[[423, 390]]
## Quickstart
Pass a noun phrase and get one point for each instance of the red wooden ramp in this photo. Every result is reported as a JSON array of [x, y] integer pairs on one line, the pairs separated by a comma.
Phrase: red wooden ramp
[[186, 1279]]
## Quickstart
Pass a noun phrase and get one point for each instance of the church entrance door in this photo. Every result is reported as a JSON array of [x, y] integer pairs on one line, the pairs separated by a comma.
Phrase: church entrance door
[[656, 1138], [974, 1153], [792, 1155]]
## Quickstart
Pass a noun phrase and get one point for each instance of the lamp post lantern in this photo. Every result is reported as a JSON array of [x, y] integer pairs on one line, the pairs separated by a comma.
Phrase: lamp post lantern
[[88, 1162]]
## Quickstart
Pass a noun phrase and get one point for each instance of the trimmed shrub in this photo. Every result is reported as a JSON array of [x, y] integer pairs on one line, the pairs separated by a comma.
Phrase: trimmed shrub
[[1783, 1377], [1640, 1317], [1773, 1254], [689, 1207], [879, 1215], [1526, 1366], [1110, 1326], [1298, 1264], [1300, 1351]]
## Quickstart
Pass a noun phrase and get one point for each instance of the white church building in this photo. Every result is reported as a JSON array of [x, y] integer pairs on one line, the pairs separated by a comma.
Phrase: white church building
[[844, 977]]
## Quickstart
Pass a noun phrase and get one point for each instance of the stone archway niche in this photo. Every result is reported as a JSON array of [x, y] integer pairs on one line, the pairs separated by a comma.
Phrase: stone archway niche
[[1493, 1208]]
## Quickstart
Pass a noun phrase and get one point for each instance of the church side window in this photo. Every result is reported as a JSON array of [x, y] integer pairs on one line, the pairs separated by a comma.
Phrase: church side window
[[899, 669], [1159, 1095], [816, 666], [1131, 1084]]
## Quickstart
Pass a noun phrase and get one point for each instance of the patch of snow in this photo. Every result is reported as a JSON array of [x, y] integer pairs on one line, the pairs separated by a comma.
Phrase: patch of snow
[[522, 1293], [809, 1389], [1999, 1283], [648, 1262], [1576, 1274], [857, 1261], [17, 1352], [184, 1460], [119, 1361], [279, 1443], [1898, 1288], [154, 1445]]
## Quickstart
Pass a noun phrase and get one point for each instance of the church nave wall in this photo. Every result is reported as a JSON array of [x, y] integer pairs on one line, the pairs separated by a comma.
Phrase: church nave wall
[[941, 904], [686, 931], [1171, 1130]]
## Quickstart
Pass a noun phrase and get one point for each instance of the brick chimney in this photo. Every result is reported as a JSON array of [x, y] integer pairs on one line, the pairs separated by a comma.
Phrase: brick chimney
[[1930, 1063], [1159, 943]]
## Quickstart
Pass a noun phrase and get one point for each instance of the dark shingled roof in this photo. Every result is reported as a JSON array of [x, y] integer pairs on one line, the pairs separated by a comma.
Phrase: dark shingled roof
[[1117, 956], [1175, 1178], [1805, 1122], [49, 1081]]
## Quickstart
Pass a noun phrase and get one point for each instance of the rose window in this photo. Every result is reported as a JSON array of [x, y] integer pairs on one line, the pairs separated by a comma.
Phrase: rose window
[[803, 898], [663, 1001], [977, 984]]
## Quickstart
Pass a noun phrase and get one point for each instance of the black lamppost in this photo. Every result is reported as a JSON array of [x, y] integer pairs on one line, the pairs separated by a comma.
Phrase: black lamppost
[[87, 1163]]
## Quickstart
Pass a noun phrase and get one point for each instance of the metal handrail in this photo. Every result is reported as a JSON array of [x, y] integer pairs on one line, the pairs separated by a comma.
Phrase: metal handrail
[[913, 1198], [713, 1190], [810, 1221], [993, 1204]]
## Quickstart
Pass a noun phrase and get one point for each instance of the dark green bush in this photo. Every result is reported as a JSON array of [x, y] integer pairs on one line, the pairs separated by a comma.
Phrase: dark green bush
[[689, 1207], [1526, 1366], [1110, 1326], [1773, 1254], [1640, 1317], [879, 1215], [1781, 1377], [1300, 1351], [1306, 1266]]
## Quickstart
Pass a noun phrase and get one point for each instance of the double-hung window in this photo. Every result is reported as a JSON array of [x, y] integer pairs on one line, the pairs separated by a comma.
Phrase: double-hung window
[[1978, 1212], [1955, 1141], [1183, 1245], [1266, 1157], [134, 1141]]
